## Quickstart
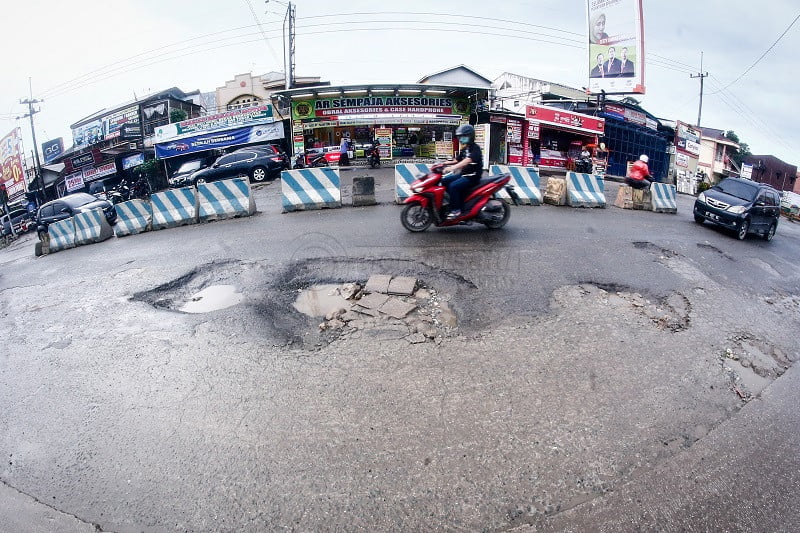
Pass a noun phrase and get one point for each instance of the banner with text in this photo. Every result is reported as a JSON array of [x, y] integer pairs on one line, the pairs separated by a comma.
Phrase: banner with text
[[565, 119], [378, 105], [229, 119], [222, 139], [616, 46], [12, 175]]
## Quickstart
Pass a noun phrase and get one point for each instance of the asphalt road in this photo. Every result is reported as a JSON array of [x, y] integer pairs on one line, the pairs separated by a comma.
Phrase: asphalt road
[[612, 370]]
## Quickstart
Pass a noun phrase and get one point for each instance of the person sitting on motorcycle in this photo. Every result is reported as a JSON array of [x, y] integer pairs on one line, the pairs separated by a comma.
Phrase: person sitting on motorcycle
[[637, 178], [466, 170]]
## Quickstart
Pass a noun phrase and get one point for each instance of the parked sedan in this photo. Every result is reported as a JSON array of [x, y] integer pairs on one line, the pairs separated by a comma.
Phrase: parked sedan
[[70, 205], [20, 218], [258, 163], [741, 205], [183, 176]]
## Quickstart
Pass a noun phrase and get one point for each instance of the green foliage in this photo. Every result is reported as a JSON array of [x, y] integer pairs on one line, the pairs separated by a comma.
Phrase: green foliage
[[177, 115], [703, 186], [742, 153]]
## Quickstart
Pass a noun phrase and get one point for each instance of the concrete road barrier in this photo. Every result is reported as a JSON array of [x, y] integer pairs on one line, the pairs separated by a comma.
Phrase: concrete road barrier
[[404, 176], [525, 181], [61, 235], [310, 188], [363, 191], [225, 199], [91, 227], [664, 198], [585, 190], [134, 216], [175, 207]]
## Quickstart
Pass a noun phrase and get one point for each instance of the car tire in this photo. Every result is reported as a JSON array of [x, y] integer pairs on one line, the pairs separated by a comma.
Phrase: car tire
[[744, 227], [258, 174], [699, 219], [771, 231]]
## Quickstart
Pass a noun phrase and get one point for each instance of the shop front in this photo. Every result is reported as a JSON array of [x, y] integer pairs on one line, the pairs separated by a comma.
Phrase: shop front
[[556, 137], [411, 122]]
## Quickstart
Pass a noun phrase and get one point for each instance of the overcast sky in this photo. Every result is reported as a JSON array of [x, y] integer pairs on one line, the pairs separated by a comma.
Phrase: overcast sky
[[85, 55]]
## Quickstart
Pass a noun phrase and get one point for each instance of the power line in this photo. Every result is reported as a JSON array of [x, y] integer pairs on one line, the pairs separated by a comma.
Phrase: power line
[[261, 29], [757, 61]]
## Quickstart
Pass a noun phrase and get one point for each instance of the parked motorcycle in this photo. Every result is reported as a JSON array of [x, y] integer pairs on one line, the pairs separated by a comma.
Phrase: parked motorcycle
[[427, 204], [310, 159], [374, 156], [584, 165]]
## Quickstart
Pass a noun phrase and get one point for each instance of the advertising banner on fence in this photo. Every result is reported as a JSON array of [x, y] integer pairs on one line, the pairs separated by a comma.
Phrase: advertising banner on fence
[[222, 139], [52, 149], [229, 119], [12, 175], [378, 105], [616, 46]]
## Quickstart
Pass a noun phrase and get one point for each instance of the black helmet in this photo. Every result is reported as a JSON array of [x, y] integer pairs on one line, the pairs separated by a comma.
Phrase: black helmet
[[466, 130]]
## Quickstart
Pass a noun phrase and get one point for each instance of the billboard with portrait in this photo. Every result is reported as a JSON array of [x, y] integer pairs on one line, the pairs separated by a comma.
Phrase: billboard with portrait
[[616, 46]]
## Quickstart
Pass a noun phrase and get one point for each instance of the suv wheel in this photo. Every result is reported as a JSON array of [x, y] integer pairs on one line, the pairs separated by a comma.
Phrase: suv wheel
[[259, 174], [771, 232], [743, 229]]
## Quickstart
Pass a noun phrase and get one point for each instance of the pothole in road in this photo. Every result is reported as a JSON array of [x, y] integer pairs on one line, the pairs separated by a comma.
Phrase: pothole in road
[[752, 363], [671, 313], [213, 298]]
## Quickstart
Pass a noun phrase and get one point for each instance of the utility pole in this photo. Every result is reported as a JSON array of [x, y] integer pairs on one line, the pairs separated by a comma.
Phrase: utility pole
[[289, 58], [30, 102], [702, 76]]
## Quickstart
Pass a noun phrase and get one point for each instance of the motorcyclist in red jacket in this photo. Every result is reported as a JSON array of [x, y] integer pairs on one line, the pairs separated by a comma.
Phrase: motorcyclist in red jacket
[[637, 177]]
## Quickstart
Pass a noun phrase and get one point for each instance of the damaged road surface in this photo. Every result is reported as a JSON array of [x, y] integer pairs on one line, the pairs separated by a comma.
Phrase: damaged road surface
[[580, 370]]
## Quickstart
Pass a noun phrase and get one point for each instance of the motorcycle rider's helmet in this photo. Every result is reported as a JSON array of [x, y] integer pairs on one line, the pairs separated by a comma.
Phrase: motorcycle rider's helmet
[[644, 158], [465, 131]]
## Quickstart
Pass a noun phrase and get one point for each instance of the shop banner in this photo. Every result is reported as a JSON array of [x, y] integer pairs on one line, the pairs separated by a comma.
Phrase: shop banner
[[52, 149], [747, 171], [106, 127], [384, 136], [378, 105], [565, 119], [616, 46], [687, 139], [132, 161], [220, 121], [93, 173], [682, 160], [74, 181], [482, 134], [84, 159], [221, 139], [12, 175]]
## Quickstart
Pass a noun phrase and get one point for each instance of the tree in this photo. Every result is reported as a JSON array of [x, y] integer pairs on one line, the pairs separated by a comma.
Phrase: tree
[[177, 115], [738, 156]]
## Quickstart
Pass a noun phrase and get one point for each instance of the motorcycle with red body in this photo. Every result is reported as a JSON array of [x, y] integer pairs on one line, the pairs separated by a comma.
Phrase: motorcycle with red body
[[427, 204]]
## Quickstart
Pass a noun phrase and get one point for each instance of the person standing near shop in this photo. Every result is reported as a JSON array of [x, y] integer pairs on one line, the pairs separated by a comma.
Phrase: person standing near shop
[[466, 168], [637, 177], [343, 159]]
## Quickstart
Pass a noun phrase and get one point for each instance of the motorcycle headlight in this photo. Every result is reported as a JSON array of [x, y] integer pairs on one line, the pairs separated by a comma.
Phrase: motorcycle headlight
[[737, 209], [701, 197]]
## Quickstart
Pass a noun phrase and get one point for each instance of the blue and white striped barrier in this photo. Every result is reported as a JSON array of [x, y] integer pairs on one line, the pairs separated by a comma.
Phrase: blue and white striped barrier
[[225, 199], [91, 227], [62, 235], [134, 216], [525, 181], [664, 198], [585, 190], [310, 188], [176, 207], [404, 176]]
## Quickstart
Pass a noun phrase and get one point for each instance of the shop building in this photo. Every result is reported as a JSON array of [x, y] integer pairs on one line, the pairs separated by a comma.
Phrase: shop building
[[773, 171], [247, 90], [412, 121], [630, 132], [715, 151]]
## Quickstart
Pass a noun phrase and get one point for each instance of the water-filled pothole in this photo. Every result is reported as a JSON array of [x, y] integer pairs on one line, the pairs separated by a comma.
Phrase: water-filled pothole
[[213, 298], [318, 301]]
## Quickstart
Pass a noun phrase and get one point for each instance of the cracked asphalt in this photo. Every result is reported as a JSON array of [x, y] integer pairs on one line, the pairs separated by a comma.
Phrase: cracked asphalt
[[612, 370]]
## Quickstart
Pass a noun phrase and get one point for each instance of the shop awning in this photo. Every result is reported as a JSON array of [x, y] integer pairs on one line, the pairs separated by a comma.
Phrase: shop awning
[[220, 139], [377, 119]]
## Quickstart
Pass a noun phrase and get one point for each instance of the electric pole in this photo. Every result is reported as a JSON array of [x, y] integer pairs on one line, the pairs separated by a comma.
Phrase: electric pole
[[289, 58], [702, 76], [31, 111]]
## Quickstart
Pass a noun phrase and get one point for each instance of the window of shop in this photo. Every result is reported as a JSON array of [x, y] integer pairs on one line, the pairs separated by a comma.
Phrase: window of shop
[[244, 102]]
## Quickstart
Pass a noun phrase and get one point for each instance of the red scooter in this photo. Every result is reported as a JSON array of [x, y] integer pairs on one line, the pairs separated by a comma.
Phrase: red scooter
[[427, 205]]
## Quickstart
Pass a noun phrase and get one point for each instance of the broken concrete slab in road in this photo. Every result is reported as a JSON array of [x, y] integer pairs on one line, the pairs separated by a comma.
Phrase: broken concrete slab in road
[[402, 286], [397, 308], [378, 283], [372, 301]]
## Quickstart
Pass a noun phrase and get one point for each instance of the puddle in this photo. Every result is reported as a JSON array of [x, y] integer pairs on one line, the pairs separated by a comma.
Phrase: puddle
[[213, 298], [320, 300]]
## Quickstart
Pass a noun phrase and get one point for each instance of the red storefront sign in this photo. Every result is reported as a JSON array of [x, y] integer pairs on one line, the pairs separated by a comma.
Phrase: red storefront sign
[[565, 119]]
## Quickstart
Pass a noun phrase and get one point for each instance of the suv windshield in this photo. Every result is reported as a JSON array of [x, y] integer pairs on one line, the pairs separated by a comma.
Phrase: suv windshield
[[78, 199], [189, 166], [738, 189]]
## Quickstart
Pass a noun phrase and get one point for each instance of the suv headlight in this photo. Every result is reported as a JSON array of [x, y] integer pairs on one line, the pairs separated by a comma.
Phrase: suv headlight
[[737, 209], [701, 197]]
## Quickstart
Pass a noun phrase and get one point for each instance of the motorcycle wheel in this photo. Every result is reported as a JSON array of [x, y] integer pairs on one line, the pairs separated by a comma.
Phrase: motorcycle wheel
[[500, 222], [416, 218]]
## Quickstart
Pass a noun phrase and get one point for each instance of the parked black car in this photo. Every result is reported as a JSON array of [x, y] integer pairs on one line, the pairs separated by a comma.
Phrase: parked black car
[[183, 176], [259, 163], [20, 218], [741, 205], [71, 205]]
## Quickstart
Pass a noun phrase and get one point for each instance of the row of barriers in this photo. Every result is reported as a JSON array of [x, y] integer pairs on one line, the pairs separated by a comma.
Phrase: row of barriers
[[175, 207], [317, 188]]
